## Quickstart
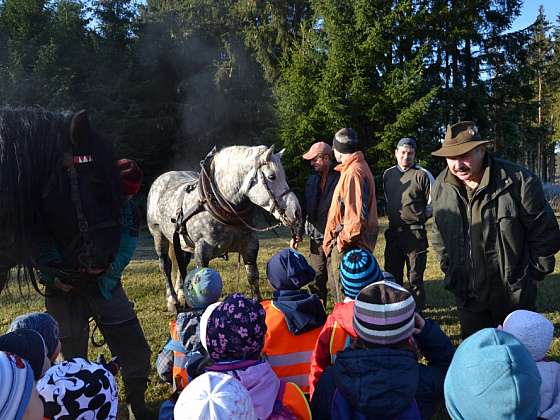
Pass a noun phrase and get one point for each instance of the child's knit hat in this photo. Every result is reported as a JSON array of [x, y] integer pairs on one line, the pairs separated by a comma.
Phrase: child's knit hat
[[358, 268], [384, 313], [215, 396], [79, 389], [533, 330], [233, 329], [202, 287], [44, 324], [492, 376], [289, 270], [16, 386]]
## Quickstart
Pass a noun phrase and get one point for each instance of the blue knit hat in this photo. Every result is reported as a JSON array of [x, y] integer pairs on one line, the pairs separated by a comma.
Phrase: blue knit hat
[[16, 386], [358, 269], [492, 376], [289, 270], [44, 324], [202, 287]]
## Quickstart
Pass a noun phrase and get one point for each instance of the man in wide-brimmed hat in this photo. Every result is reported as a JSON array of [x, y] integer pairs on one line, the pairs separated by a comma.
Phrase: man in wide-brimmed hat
[[494, 232]]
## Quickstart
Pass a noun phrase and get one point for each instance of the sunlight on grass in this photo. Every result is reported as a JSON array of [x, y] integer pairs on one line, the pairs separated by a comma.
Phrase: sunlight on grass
[[145, 287]]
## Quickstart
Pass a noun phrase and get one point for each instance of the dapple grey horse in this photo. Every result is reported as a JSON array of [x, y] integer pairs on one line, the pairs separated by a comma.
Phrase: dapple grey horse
[[216, 207]]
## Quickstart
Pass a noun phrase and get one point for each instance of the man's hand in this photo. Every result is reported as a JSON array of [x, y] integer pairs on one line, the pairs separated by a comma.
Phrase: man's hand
[[62, 286], [294, 242], [418, 324]]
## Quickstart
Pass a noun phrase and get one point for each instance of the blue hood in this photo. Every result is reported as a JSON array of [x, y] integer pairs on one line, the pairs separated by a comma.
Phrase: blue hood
[[303, 312], [379, 383]]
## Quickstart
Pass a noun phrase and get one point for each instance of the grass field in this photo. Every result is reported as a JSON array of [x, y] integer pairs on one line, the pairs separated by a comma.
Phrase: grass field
[[144, 285]]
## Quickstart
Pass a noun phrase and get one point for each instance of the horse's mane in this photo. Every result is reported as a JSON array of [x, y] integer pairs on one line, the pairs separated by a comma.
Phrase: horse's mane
[[32, 142]]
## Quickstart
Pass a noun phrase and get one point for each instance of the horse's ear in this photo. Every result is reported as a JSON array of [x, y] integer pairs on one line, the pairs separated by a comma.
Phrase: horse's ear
[[267, 156], [281, 153], [79, 128]]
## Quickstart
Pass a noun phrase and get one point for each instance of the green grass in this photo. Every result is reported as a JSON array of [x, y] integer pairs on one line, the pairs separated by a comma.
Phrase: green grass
[[145, 287]]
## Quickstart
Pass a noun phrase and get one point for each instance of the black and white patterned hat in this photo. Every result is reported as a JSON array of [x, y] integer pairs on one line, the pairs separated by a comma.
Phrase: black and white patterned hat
[[78, 389]]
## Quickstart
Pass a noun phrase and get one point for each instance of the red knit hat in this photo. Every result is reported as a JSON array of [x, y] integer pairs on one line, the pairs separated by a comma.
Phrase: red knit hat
[[131, 176]]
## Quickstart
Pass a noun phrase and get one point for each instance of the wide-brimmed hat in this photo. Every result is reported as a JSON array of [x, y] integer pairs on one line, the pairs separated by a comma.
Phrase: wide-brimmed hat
[[459, 139]]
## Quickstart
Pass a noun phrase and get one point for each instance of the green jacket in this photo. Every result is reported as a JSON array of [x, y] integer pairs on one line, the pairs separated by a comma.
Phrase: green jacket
[[493, 247]]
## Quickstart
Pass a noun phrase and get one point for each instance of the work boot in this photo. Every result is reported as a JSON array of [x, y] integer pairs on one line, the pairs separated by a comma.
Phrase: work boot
[[137, 409]]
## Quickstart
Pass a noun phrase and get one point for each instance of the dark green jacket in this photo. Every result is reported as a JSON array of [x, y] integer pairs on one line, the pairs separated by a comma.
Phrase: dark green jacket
[[518, 231]]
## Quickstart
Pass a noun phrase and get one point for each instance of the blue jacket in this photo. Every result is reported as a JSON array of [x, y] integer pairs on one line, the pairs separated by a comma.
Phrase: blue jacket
[[382, 382]]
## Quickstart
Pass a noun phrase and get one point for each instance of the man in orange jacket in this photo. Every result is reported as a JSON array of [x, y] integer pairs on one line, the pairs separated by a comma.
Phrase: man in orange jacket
[[352, 219], [294, 318]]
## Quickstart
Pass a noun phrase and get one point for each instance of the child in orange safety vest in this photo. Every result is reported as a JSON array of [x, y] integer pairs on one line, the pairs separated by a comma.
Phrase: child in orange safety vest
[[202, 287], [294, 317], [358, 269], [232, 332]]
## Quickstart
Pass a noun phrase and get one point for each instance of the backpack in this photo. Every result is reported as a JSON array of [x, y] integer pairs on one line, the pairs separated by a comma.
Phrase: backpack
[[341, 410]]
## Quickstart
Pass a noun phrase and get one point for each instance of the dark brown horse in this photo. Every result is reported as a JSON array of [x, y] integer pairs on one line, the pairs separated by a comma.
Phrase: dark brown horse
[[58, 185]]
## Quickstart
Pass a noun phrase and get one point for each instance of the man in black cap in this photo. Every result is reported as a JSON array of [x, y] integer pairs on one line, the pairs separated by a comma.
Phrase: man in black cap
[[494, 232], [407, 192]]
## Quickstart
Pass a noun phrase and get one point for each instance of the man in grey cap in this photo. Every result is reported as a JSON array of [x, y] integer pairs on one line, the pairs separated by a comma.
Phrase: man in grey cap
[[407, 192], [494, 232], [319, 190]]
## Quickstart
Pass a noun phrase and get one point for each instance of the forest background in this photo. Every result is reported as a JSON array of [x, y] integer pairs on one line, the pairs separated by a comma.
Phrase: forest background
[[168, 79]]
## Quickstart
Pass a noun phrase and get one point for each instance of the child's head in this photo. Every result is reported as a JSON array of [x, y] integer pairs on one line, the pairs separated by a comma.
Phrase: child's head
[[233, 329], [289, 270], [45, 325], [384, 314], [202, 287], [77, 388], [358, 268], [492, 376], [533, 330], [18, 398], [215, 396], [30, 345]]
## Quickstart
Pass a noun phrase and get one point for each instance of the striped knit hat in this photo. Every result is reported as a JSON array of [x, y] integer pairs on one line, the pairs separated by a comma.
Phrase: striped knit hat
[[358, 269], [384, 313]]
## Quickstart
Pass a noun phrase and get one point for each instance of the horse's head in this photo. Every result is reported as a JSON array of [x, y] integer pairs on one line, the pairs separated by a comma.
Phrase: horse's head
[[267, 187], [82, 200]]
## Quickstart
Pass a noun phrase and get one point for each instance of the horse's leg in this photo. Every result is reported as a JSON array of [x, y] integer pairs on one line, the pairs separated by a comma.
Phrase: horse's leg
[[203, 253], [162, 245], [249, 255], [184, 258]]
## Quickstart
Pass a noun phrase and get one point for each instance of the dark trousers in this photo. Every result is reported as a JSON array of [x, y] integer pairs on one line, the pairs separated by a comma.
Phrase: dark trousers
[[118, 324], [404, 246], [320, 263], [334, 279], [474, 316]]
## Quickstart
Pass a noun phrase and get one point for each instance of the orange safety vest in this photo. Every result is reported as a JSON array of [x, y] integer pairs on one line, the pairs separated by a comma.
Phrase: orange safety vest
[[180, 377], [295, 401], [339, 340], [288, 354]]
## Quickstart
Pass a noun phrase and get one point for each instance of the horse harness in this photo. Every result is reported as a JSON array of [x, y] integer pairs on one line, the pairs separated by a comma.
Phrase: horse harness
[[210, 199]]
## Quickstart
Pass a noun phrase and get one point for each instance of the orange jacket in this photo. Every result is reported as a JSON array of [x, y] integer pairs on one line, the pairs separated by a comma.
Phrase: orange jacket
[[332, 339], [288, 354], [352, 219]]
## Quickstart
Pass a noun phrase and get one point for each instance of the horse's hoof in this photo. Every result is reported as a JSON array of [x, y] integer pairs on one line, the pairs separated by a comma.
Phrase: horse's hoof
[[171, 308]]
